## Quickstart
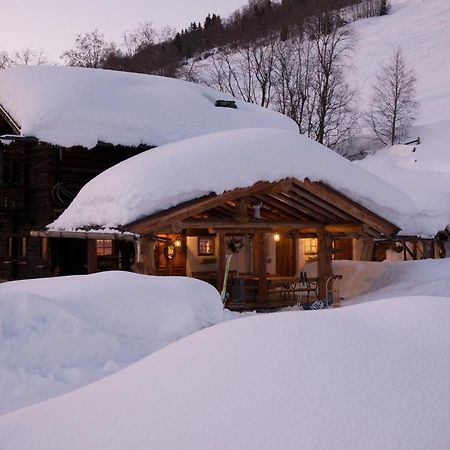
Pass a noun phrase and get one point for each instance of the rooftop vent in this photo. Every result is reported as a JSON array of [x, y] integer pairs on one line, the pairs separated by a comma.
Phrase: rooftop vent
[[225, 104]]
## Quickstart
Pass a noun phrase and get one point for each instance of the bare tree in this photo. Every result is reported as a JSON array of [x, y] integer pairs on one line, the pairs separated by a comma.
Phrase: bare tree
[[165, 34], [393, 104], [332, 103], [25, 57], [245, 72], [293, 79], [142, 36], [90, 50], [28, 56], [5, 60]]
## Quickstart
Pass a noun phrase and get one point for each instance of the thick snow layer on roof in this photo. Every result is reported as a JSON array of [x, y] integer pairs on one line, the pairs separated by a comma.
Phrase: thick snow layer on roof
[[169, 175], [58, 334], [70, 106], [370, 376]]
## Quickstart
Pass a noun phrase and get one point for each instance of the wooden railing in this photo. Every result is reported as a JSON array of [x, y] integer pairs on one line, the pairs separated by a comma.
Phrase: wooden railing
[[12, 197]]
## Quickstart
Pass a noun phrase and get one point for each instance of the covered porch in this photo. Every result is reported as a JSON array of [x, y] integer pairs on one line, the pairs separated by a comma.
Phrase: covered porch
[[263, 227]]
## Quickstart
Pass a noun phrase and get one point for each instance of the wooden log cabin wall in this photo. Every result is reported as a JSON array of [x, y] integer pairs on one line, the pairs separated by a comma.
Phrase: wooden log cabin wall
[[37, 182]]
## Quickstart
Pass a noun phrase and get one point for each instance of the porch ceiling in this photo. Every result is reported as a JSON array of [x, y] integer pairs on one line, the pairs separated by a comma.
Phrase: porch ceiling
[[299, 207]]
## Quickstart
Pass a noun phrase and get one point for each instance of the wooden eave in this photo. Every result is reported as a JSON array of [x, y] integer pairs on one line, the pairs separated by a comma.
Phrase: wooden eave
[[9, 120], [302, 207]]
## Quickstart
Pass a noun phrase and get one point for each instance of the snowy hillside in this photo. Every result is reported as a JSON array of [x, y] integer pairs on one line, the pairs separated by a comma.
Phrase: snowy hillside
[[58, 334], [370, 376], [422, 30]]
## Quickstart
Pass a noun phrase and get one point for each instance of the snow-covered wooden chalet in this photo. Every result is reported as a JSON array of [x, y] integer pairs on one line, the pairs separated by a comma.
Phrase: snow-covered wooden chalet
[[273, 198]]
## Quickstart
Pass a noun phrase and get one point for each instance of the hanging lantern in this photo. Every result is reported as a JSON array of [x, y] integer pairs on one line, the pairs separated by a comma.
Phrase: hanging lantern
[[276, 237]]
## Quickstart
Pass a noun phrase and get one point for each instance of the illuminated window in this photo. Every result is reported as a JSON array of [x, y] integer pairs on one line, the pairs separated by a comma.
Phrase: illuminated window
[[206, 246], [310, 246], [104, 247]]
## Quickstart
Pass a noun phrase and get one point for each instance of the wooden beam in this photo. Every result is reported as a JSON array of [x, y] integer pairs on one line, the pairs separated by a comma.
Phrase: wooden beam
[[92, 266], [314, 214], [324, 264], [312, 199], [260, 265], [221, 257], [253, 224], [148, 255], [307, 227], [349, 206], [281, 209], [367, 249], [193, 207], [241, 212]]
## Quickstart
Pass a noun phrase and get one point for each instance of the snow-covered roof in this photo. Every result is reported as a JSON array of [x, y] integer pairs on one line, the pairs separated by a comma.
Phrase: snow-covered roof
[[71, 106], [169, 175]]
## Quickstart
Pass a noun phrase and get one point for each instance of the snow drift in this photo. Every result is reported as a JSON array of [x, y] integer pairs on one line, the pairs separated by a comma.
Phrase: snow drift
[[61, 333], [70, 106], [369, 376], [366, 281]]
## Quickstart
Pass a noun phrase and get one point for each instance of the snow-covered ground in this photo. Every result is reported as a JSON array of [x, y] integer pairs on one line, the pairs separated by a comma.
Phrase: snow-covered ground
[[370, 376], [59, 334], [367, 281], [62, 333]]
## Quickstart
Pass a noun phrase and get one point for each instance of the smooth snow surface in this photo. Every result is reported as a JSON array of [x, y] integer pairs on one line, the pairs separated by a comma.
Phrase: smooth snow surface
[[422, 30], [370, 376], [169, 175], [62, 333], [71, 106], [366, 281]]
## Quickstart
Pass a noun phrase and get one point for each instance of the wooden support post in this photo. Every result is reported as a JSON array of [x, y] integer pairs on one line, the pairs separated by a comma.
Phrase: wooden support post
[[426, 249], [367, 249], [260, 265], [324, 264], [147, 245], [221, 260], [92, 265]]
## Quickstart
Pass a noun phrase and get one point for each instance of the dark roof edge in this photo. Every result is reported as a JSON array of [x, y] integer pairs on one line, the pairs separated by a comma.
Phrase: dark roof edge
[[12, 123]]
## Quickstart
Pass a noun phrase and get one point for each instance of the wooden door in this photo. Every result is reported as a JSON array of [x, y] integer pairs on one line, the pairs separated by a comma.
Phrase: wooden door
[[285, 256], [343, 249], [165, 262]]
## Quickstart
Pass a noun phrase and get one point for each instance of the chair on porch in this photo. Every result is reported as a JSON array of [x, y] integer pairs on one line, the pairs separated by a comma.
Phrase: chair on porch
[[306, 287]]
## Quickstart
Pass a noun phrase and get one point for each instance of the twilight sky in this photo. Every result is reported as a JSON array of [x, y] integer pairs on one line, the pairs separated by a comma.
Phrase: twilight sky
[[52, 24]]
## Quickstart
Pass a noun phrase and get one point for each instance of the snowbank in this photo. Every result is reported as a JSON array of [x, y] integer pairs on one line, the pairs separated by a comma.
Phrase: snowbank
[[70, 106], [169, 175], [367, 281], [370, 376], [62, 333]]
